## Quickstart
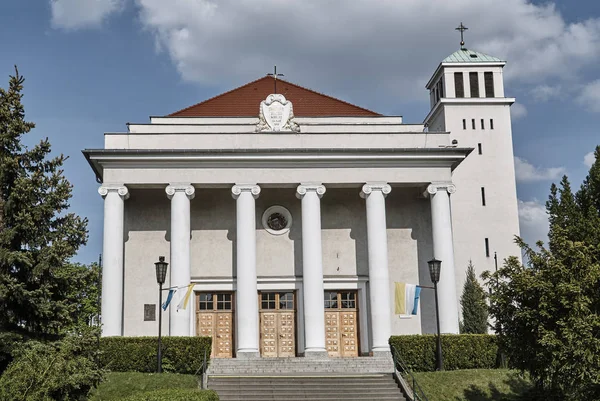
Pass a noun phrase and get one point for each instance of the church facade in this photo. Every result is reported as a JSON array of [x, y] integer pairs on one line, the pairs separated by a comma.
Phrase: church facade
[[293, 214]]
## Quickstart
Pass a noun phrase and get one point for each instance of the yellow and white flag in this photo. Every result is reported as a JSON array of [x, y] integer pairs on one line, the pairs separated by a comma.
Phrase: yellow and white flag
[[186, 298], [406, 298]]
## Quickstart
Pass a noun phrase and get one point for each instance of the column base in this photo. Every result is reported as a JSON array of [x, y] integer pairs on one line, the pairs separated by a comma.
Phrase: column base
[[249, 354], [382, 353], [316, 354]]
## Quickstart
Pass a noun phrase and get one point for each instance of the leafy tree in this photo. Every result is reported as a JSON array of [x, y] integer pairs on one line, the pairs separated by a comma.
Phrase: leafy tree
[[40, 289], [549, 309], [62, 370], [474, 306]]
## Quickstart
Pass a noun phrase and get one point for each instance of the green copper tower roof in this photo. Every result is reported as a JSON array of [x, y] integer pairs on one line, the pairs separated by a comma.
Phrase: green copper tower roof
[[470, 56]]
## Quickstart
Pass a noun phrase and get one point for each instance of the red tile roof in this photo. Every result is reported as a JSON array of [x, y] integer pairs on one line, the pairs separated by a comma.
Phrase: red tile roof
[[245, 100]]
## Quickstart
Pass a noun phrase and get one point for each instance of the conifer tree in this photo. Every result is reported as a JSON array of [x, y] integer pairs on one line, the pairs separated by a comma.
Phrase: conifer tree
[[474, 307], [38, 290], [549, 309]]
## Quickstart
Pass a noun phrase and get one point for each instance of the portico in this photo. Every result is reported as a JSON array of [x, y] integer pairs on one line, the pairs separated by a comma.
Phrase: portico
[[292, 231], [307, 282]]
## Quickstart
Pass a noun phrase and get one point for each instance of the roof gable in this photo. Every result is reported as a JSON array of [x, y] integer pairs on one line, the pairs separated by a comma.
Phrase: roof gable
[[245, 101]]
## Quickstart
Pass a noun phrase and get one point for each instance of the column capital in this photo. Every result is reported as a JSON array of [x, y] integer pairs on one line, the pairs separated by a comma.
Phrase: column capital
[[189, 190], [434, 187], [369, 187], [237, 190], [120, 189], [304, 188]]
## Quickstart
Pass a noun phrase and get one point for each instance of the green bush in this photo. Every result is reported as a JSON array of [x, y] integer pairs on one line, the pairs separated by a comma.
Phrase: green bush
[[174, 395], [460, 351], [63, 370], [138, 354]]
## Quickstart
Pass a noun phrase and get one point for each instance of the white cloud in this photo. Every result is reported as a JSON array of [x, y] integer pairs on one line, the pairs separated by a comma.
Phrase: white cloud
[[543, 93], [517, 111], [589, 159], [368, 50], [527, 172], [533, 221], [590, 96], [77, 14]]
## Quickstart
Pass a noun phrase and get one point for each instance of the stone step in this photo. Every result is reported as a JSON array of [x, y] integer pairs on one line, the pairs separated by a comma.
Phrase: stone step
[[264, 366], [314, 398], [303, 387]]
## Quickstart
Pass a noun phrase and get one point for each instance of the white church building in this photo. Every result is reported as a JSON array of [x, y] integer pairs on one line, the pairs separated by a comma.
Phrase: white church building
[[294, 214]]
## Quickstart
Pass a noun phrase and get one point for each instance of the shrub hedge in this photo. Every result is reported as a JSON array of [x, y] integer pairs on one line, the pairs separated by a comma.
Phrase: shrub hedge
[[174, 395], [138, 354], [460, 351]]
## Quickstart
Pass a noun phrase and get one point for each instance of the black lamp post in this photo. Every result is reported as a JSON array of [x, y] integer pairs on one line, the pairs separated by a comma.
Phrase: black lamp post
[[434, 271], [161, 273]]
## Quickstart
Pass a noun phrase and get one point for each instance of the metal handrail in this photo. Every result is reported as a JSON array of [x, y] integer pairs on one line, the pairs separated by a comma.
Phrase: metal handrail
[[202, 369], [411, 385]]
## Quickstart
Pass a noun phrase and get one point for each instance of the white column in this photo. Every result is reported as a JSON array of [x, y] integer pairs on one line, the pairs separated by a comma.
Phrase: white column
[[379, 280], [180, 195], [443, 249], [312, 270], [112, 259], [246, 313]]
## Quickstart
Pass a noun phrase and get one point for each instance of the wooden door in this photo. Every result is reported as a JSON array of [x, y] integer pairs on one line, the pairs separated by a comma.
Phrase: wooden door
[[341, 326], [214, 318], [277, 324]]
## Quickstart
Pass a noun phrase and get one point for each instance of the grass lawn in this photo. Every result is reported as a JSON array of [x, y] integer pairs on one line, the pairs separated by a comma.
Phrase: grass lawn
[[121, 384], [473, 385]]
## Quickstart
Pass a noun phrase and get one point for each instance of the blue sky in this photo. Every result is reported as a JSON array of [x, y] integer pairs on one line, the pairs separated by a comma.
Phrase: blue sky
[[91, 66]]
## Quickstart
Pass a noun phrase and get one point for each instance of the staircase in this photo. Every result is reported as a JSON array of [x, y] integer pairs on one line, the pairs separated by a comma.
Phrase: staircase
[[292, 379], [372, 387]]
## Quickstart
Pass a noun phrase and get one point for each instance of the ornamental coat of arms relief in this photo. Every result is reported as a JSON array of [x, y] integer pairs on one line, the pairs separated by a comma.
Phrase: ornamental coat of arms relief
[[276, 114]]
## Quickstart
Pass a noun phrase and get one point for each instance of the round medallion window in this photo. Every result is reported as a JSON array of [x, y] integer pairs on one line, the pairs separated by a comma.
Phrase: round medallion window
[[277, 220]]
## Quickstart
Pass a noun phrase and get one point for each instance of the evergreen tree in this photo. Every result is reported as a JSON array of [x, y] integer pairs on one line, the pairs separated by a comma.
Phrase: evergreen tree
[[40, 289], [474, 307], [549, 309]]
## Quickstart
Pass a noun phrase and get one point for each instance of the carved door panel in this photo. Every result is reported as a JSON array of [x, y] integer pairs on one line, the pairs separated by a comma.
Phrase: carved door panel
[[277, 324], [214, 318], [348, 331], [332, 333], [341, 328], [268, 334], [287, 343], [223, 343]]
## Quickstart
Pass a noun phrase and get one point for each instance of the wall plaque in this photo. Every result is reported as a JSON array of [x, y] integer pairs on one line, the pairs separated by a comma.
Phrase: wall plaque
[[149, 312]]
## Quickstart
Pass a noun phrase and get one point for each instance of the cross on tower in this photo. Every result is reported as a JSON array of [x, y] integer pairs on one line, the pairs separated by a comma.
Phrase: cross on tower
[[462, 29], [275, 75]]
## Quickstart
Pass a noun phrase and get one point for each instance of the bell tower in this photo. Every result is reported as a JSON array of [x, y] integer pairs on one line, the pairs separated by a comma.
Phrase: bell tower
[[467, 100]]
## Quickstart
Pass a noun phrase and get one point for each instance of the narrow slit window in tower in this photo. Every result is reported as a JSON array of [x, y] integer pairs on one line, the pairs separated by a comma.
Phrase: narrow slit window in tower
[[473, 123], [464, 124], [479, 149], [482, 196], [491, 123], [482, 124], [487, 247]]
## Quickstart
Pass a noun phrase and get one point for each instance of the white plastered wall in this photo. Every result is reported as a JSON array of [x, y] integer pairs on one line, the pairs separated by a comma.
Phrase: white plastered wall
[[494, 170], [279, 258]]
